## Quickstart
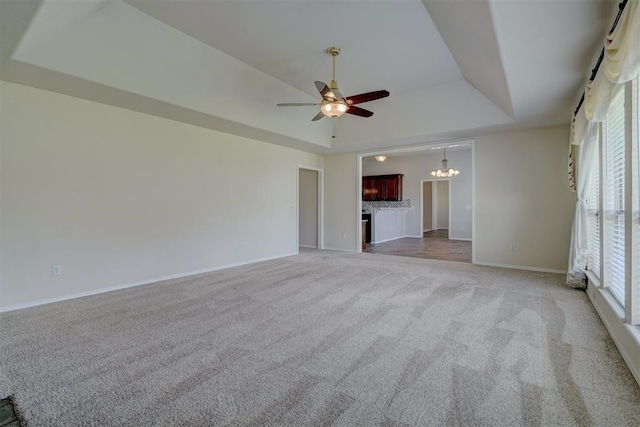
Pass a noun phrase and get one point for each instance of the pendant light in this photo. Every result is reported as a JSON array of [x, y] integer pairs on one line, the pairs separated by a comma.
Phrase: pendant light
[[445, 172]]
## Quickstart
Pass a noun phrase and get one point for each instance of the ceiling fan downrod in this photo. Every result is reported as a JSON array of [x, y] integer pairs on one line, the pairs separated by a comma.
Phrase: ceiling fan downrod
[[333, 51]]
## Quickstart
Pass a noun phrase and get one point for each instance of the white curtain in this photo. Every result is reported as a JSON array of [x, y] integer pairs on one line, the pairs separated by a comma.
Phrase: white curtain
[[579, 248], [621, 63], [579, 126], [622, 47], [578, 132], [597, 97]]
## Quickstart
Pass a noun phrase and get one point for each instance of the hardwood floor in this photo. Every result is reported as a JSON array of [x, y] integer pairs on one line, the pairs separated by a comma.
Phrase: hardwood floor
[[434, 245]]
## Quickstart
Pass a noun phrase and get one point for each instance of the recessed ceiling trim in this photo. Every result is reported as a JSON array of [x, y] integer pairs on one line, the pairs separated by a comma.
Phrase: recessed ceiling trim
[[15, 17], [468, 31], [31, 75]]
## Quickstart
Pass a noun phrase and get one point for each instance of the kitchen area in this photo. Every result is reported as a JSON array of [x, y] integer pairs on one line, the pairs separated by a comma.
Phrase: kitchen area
[[384, 210], [401, 209]]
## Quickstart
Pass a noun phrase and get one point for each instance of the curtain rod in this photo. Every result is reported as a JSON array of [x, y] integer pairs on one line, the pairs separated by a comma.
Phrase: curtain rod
[[621, 6]]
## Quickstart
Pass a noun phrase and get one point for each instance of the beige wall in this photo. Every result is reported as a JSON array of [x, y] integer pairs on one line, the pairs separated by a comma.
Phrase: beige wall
[[461, 194], [523, 199], [118, 197], [427, 205], [341, 202], [308, 208], [442, 204]]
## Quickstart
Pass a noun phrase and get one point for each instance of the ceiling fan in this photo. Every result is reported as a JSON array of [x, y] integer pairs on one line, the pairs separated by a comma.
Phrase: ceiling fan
[[333, 104]]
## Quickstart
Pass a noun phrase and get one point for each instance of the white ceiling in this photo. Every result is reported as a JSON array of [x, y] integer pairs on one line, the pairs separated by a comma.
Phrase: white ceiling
[[455, 69]]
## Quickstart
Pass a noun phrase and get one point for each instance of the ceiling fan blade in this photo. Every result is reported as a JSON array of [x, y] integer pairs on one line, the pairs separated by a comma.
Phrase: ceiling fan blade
[[318, 116], [322, 88], [366, 97], [337, 94], [327, 92], [296, 104], [357, 111]]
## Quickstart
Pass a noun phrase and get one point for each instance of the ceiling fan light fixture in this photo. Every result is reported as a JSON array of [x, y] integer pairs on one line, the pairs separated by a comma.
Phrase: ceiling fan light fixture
[[333, 109], [380, 158]]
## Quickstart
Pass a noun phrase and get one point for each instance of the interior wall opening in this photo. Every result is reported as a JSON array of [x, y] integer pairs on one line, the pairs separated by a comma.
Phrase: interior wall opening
[[433, 218]]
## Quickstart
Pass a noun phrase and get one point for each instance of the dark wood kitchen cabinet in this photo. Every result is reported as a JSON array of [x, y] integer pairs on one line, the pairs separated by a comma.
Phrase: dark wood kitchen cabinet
[[372, 188], [393, 187], [382, 187]]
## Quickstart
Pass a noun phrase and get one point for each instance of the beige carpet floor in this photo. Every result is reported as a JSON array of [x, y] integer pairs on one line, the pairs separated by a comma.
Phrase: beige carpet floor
[[322, 338]]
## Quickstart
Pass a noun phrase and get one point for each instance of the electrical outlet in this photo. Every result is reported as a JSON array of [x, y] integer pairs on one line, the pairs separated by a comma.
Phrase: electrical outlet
[[56, 270]]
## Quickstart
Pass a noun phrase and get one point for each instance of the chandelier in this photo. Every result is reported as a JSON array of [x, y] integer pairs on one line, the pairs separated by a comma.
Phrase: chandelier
[[445, 172]]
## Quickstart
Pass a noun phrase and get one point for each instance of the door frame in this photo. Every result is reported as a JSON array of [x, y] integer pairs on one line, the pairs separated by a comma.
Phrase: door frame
[[434, 202], [320, 189]]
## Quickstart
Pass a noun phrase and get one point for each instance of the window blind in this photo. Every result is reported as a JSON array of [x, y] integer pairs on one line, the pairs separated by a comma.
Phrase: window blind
[[593, 219], [635, 194], [613, 186]]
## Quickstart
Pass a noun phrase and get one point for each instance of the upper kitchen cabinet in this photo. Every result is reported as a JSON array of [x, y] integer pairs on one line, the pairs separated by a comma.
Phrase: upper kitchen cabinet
[[393, 187], [372, 188], [382, 187]]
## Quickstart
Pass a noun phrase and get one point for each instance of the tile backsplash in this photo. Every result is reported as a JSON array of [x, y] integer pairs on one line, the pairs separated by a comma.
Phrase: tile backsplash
[[401, 204]]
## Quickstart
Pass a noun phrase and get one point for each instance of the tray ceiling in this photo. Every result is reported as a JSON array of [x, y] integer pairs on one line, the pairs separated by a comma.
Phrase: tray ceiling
[[454, 68]]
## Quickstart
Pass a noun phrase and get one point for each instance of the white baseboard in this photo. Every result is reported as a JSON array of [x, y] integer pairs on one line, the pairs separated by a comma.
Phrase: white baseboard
[[389, 240], [450, 238], [338, 249], [418, 237], [134, 284], [308, 246], [522, 267], [625, 336]]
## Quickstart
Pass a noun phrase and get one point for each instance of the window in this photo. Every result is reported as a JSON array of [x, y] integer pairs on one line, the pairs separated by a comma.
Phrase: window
[[633, 299], [593, 262], [614, 196], [613, 202]]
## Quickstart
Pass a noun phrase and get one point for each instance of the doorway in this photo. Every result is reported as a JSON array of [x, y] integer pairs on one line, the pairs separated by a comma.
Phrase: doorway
[[440, 205], [435, 205], [309, 208]]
